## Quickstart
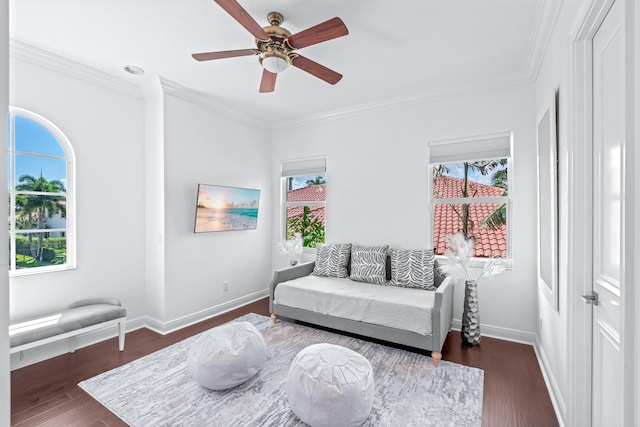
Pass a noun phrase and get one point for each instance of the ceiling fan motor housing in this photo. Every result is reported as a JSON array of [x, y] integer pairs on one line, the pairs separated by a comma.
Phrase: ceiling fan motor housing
[[277, 48], [275, 52]]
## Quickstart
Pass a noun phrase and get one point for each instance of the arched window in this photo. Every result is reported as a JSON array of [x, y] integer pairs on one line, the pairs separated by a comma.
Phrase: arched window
[[41, 196]]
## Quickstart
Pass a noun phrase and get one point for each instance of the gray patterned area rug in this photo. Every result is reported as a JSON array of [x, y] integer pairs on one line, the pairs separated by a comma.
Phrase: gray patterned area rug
[[157, 390]]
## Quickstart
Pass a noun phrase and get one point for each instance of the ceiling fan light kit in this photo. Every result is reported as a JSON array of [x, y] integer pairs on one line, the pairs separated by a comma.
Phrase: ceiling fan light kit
[[276, 46], [274, 61]]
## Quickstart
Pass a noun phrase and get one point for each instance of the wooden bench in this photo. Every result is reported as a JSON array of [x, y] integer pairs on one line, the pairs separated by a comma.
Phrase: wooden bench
[[81, 317]]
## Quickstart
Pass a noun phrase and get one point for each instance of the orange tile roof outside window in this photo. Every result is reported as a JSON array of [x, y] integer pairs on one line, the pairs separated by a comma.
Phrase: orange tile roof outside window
[[488, 243], [445, 221], [311, 193]]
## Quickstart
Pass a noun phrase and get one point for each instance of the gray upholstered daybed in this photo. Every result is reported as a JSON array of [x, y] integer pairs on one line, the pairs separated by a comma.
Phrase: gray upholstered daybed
[[413, 317]]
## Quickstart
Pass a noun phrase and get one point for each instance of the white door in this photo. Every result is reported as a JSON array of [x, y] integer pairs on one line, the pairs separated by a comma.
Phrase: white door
[[608, 220]]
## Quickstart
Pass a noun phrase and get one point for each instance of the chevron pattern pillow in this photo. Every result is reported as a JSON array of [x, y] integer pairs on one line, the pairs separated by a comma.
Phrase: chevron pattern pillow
[[368, 264], [332, 260], [412, 269]]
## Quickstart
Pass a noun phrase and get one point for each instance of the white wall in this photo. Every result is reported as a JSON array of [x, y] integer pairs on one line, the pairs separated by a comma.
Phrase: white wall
[[556, 326], [377, 174], [106, 130], [138, 163], [202, 145], [154, 199], [554, 339], [5, 399]]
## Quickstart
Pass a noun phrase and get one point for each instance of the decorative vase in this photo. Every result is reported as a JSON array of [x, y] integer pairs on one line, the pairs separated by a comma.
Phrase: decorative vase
[[470, 330]]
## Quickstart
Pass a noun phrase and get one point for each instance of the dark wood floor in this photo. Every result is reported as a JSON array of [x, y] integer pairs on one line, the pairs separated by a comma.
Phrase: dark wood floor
[[47, 393]]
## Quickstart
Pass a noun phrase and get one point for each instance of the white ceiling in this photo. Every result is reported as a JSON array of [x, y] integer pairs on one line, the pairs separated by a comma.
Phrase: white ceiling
[[395, 50]]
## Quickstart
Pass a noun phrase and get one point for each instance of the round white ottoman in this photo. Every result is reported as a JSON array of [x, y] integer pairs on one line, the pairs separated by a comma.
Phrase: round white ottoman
[[329, 385], [227, 355]]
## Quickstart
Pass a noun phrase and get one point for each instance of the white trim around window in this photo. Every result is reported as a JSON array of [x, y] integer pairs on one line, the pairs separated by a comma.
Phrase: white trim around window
[[69, 194], [293, 168], [469, 149]]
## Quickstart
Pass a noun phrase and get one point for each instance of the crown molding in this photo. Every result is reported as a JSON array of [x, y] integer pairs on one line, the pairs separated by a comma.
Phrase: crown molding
[[51, 61], [209, 102], [546, 20], [403, 102], [24, 52]]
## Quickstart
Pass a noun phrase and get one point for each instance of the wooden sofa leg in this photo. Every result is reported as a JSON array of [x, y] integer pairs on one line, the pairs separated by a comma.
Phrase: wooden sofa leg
[[436, 356], [273, 318]]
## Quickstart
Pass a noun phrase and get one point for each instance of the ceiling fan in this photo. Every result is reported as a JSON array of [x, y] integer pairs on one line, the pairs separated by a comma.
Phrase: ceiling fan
[[276, 47]]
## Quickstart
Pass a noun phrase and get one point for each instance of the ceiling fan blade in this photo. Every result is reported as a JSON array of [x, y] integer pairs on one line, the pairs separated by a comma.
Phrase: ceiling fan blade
[[327, 30], [268, 83], [320, 71], [239, 14], [208, 56]]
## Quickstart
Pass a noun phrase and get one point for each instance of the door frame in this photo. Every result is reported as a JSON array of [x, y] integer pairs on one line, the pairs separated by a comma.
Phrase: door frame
[[579, 276]]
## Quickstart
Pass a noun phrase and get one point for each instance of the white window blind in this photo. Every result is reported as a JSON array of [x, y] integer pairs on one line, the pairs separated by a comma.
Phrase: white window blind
[[470, 149], [303, 167]]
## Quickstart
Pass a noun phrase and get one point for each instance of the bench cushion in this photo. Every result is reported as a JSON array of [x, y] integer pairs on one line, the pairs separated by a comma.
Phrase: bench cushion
[[64, 321]]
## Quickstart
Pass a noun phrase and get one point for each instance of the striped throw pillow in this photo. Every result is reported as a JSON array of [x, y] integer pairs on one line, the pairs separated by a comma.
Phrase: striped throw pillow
[[368, 264], [332, 260], [412, 269]]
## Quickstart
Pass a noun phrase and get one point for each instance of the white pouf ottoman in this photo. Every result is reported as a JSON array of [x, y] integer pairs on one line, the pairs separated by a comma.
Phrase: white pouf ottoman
[[329, 385], [227, 355]]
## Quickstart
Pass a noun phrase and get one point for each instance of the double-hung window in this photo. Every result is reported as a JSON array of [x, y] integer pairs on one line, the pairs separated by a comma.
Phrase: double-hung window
[[470, 193], [41, 184], [304, 184]]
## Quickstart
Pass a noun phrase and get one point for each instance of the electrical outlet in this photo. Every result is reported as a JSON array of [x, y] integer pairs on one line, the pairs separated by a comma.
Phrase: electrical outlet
[[225, 286]]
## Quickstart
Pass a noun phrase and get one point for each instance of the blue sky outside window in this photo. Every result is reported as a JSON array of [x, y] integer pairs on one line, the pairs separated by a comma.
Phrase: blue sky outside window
[[48, 157], [39, 202]]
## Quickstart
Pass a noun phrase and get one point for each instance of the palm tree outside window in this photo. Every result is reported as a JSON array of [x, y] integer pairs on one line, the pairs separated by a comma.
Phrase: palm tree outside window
[[41, 232], [305, 208], [473, 198], [470, 192], [305, 195]]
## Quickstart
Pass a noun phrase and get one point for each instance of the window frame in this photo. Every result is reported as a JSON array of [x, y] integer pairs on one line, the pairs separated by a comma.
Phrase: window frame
[[300, 167], [70, 186], [459, 150]]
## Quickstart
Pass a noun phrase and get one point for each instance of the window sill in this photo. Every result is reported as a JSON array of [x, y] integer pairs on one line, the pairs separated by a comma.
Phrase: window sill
[[475, 262], [41, 270]]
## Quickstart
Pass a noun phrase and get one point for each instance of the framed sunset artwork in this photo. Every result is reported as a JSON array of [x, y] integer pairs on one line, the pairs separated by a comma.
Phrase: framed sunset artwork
[[222, 208]]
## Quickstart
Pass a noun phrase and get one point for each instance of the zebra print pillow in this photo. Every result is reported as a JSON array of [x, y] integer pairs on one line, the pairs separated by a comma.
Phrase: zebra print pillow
[[412, 269], [368, 264], [332, 260]]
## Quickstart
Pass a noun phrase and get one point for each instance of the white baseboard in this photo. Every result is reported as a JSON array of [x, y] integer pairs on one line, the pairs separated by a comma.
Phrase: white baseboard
[[499, 332], [57, 348], [190, 319], [557, 401]]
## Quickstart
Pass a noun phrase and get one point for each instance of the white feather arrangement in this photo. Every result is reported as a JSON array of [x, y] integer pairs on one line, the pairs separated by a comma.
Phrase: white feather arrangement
[[292, 248], [460, 258]]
